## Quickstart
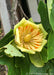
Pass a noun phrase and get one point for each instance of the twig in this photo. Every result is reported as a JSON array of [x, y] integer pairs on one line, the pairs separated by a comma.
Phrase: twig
[[19, 5]]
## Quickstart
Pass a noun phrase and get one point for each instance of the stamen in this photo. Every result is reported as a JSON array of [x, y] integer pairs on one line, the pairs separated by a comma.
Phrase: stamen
[[38, 36], [32, 47], [26, 46], [35, 46], [38, 40], [34, 33]]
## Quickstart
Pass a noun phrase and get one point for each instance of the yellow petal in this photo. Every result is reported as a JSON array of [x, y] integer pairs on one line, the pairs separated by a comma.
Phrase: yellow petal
[[17, 39], [26, 50]]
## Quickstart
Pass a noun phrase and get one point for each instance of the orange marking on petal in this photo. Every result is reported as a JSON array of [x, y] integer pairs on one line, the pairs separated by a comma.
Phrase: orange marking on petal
[[31, 29], [19, 27], [37, 44], [36, 47], [26, 26], [38, 33], [27, 48]]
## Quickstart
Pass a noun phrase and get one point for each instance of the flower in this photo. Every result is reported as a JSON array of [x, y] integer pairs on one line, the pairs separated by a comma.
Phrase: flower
[[29, 36]]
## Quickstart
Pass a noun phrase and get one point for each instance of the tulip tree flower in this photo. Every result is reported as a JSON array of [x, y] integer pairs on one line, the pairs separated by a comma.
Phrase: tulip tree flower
[[29, 37]]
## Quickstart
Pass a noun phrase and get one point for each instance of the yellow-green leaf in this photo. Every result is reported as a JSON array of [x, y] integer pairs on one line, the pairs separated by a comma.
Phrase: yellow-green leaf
[[11, 51], [36, 59]]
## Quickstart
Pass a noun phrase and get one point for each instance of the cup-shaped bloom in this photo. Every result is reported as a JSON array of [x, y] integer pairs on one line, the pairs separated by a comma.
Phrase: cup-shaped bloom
[[29, 36]]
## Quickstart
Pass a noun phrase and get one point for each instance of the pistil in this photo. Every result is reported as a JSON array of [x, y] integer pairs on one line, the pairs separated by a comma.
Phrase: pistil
[[27, 38]]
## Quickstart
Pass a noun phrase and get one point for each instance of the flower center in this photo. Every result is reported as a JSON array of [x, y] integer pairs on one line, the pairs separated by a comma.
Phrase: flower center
[[27, 38]]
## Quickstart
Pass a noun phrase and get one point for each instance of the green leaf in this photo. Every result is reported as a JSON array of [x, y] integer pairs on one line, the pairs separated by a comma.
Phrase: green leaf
[[23, 64], [9, 62], [17, 71], [44, 55], [51, 68], [50, 5], [12, 51], [7, 38], [42, 9], [50, 44], [48, 69], [31, 20], [36, 59], [39, 71]]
